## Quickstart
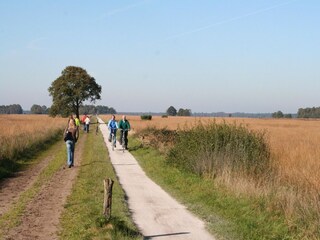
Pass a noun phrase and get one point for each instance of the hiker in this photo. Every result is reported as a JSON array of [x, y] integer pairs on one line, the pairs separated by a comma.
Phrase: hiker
[[124, 127], [83, 122], [87, 123], [77, 121], [70, 137]]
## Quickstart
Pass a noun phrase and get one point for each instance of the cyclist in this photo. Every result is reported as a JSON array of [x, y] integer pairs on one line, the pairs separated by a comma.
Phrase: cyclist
[[112, 126], [124, 127]]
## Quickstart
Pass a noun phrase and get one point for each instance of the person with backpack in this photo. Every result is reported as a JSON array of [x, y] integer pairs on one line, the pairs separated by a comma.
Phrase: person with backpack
[[113, 126], [70, 137], [124, 127]]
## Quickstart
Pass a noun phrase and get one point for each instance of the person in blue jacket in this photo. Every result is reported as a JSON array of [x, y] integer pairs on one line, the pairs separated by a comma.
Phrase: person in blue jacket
[[113, 126]]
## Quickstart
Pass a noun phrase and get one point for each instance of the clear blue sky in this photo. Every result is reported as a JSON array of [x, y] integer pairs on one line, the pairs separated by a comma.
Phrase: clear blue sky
[[208, 56]]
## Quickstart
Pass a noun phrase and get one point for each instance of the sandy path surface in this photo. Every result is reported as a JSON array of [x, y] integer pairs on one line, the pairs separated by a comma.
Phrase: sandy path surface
[[156, 213], [11, 188], [41, 216]]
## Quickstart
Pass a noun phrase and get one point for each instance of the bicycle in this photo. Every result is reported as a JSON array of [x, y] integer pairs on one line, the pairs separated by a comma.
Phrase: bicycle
[[123, 139], [113, 138]]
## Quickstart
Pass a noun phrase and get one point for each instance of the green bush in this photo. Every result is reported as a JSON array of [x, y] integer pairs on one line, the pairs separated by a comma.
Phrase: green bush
[[164, 116], [146, 117], [214, 148]]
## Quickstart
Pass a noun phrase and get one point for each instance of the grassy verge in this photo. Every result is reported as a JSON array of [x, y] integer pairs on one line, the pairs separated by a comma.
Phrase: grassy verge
[[227, 216], [82, 218], [12, 218]]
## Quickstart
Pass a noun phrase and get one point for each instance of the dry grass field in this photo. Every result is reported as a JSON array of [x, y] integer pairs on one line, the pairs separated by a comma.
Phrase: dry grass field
[[19, 132], [295, 150], [294, 143]]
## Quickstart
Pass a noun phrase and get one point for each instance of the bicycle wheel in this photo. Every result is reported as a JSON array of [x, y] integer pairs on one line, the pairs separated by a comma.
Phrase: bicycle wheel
[[112, 142]]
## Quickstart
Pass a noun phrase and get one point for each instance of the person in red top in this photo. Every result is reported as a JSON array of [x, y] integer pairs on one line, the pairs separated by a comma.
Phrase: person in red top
[[83, 122]]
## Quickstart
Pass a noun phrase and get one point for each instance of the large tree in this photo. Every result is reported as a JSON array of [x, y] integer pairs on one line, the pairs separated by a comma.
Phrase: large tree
[[71, 89]]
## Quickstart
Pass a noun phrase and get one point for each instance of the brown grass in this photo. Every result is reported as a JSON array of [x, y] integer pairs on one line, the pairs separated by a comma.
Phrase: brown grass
[[19, 132]]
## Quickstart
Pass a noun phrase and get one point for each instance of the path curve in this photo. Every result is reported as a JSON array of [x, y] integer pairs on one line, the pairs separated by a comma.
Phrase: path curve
[[155, 212]]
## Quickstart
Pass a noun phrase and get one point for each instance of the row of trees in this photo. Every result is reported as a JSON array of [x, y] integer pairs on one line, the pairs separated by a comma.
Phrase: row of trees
[[11, 109], [171, 111], [91, 109], [313, 112], [85, 109], [37, 109], [280, 114]]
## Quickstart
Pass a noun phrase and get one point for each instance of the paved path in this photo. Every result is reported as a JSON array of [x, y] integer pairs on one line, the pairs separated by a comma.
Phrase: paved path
[[156, 213]]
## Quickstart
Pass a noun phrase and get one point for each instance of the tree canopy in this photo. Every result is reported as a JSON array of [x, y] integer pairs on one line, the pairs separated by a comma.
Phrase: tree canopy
[[184, 112], [11, 109], [37, 109], [313, 112], [71, 89], [171, 111]]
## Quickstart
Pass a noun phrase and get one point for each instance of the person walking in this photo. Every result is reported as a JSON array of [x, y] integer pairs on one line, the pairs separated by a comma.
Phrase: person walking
[[113, 126], [70, 138], [77, 121], [124, 127], [87, 123]]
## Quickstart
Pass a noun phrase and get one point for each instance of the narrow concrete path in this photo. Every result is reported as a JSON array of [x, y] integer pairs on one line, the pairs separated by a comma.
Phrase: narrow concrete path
[[156, 213]]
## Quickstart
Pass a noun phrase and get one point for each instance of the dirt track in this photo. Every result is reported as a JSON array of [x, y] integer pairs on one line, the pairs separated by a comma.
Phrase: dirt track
[[41, 216]]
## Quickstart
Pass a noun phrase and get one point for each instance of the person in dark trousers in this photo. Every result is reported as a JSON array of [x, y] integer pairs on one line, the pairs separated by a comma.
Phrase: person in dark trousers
[[124, 127], [71, 137]]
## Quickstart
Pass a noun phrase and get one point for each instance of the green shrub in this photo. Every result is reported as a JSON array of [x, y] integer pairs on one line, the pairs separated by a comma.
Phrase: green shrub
[[146, 117], [214, 148], [164, 116]]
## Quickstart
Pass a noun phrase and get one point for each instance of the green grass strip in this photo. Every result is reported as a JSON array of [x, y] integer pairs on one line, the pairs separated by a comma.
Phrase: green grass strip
[[12, 218], [83, 218], [227, 216]]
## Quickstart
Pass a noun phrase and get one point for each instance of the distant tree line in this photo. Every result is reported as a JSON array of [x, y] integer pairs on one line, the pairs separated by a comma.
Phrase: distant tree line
[[11, 109], [313, 112], [171, 111], [37, 109], [280, 114], [91, 109]]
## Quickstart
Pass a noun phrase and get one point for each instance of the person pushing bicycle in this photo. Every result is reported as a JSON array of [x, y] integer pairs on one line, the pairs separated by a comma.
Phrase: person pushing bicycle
[[124, 127], [112, 126]]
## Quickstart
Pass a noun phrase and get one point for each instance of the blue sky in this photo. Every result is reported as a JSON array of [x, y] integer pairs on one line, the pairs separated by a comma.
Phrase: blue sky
[[208, 56]]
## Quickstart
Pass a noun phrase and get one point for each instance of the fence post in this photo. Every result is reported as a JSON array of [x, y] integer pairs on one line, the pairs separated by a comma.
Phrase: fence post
[[108, 183]]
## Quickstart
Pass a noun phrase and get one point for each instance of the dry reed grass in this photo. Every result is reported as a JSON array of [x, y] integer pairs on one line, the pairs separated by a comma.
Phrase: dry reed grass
[[19, 132]]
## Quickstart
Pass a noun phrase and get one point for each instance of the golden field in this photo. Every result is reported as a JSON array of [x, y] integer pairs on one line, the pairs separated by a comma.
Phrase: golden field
[[295, 151], [294, 142], [19, 132]]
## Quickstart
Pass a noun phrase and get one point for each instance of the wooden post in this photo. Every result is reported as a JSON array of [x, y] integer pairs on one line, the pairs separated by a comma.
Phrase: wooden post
[[108, 183]]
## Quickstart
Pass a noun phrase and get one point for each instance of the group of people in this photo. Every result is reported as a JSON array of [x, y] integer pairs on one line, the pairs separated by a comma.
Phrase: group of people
[[71, 133], [124, 127]]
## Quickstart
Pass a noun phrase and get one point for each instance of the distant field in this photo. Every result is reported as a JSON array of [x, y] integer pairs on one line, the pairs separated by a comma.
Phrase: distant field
[[19, 133]]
